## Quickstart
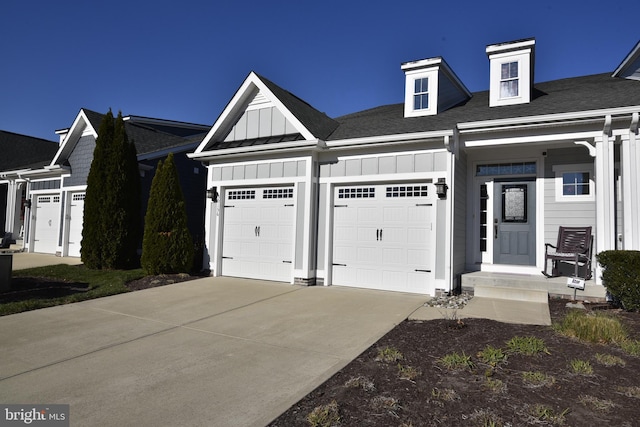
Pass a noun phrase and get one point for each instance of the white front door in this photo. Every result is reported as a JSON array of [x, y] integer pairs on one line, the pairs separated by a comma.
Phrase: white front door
[[47, 214], [76, 212], [258, 233], [383, 237]]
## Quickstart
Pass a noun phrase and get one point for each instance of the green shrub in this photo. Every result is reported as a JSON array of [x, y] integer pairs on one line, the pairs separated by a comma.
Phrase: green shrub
[[492, 356], [456, 361], [581, 367], [621, 276], [167, 246]]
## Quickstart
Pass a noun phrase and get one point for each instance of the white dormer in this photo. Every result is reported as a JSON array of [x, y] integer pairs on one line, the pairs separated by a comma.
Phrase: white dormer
[[431, 87], [511, 72]]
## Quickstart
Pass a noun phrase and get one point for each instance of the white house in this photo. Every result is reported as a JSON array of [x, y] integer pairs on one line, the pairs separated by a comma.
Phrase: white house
[[411, 197]]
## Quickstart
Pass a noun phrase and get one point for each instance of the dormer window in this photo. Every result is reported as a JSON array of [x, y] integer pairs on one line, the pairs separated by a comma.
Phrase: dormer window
[[421, 94], [511, 72], [509, 80], [431, 87]]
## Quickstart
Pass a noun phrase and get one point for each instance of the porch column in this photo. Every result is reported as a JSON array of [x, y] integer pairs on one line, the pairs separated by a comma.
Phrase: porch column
[[629, 161], [605, 194]]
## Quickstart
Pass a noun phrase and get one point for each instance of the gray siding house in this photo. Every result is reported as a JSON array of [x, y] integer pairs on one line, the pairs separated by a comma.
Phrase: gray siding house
[[416, 196]]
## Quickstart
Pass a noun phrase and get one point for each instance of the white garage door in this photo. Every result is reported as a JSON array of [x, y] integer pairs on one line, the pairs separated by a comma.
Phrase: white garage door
[[258, 233], [383, 237], [47, 213], [76, 212]]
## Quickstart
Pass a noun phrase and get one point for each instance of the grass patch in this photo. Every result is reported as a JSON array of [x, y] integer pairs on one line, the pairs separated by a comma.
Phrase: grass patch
[[547, 414], [389, 355], [360, 382], [581, 367], [408, 372], [594, 328], [456, 361], [528, 346], [391, 405], [492, 356], [537, 379], [631, 347], [631, 391], [485, 418], [445, 394], [93, 284], [324, 415], [596, 404], [494, 385], [609, 360]]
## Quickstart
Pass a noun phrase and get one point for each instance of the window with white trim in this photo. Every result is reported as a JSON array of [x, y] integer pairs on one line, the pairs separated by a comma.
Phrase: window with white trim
[[574, 183], [509, 80], [421, 94]]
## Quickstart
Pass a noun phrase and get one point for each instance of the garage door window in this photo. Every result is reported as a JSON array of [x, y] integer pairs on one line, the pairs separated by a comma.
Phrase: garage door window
[[277, 193], [356, 193], [78, 197], [241, 194], [408, 191]]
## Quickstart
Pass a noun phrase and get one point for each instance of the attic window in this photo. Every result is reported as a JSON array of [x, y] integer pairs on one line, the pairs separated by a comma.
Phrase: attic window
[[421, 94], [509, 80]]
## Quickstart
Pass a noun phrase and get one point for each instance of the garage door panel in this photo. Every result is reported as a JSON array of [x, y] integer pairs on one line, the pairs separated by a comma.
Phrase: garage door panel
[[46, 227], [390, 234], [257, 233]]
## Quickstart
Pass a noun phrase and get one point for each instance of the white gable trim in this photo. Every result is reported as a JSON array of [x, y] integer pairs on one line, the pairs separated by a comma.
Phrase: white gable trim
[[248, 90], [81, 126]]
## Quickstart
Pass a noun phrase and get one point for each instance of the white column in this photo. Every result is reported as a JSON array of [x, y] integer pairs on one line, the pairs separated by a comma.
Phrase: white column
[[605, 194], [630, 159]]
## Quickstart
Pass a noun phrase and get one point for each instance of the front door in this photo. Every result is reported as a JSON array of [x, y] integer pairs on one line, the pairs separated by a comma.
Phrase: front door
[[514, 222]]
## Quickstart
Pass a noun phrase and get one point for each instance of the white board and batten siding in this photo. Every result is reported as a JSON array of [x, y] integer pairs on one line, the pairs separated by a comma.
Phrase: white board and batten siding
[[258, 233], [47, 214], [383, 237]]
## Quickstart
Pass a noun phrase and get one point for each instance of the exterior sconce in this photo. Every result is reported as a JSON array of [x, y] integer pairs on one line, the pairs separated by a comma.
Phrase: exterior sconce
[[212, 194], [441, 188], [27, 203]]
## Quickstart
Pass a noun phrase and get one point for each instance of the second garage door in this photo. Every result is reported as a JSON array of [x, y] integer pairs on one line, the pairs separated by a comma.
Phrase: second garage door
[[46, 225], [257, 239], [76, 212], [383, 237]]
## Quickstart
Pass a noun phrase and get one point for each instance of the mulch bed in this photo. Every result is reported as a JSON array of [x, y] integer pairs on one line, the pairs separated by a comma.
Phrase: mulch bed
[[481, 396]]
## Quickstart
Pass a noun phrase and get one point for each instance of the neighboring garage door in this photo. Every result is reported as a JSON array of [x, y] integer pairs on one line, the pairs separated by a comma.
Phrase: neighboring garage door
[[383, 237], [46, 227], [258, 233], [76, 212]]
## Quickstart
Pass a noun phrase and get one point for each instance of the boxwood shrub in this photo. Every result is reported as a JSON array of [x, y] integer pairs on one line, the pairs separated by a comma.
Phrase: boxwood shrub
[[621, 276]]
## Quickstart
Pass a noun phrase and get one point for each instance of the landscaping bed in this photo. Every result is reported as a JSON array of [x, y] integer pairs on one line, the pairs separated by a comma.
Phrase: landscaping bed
[[466, 373]]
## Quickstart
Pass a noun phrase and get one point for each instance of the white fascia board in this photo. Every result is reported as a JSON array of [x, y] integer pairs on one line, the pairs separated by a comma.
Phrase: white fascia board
[[282, 147], [391, 139], [510, 46], [631, 56], [252, 81], [547, 118], [14, 174], [74, 134], [531, 139], [166, 151]]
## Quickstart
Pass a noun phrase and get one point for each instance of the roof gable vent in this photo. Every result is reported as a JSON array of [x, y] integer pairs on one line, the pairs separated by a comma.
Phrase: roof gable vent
[[511, 72]]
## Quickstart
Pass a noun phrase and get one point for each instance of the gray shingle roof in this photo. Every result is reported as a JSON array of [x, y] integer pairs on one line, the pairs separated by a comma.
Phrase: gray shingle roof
[[593, 92], [149, 138], [25, 152], [316, 122]]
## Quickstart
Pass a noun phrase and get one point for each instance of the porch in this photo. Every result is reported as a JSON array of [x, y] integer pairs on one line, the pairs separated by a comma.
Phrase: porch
[[527, 287]]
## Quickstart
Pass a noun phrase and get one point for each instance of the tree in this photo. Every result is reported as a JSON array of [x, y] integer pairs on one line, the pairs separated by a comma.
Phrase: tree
[[167, 245], [111, 224]]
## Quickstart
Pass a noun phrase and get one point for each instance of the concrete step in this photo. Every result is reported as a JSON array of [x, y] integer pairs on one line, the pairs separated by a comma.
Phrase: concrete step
[[520, 283], [511, 293]]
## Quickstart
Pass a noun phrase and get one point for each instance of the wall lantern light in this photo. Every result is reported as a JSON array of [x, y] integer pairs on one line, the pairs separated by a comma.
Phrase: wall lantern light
[[441, 188], [27, 203], [212, 194]]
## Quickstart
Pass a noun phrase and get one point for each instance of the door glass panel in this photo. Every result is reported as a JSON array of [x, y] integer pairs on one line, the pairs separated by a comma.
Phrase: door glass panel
[[514, 203]]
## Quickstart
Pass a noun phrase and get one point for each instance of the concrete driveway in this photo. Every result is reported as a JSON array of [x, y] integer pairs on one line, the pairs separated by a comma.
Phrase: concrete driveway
[[210, 352]]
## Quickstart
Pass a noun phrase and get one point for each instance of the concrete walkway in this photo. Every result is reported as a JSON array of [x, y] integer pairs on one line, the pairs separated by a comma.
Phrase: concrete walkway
[[209, 352], [23, 260]]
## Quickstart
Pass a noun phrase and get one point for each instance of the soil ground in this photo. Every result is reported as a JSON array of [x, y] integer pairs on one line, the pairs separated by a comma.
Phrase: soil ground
[[372, 393]]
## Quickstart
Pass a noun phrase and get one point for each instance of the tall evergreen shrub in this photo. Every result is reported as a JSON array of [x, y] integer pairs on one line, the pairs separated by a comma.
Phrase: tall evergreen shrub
[[167, 245], [111, 225]]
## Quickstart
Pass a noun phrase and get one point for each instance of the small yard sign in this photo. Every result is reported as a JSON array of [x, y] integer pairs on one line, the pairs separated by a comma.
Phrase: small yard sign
[[576, 283]]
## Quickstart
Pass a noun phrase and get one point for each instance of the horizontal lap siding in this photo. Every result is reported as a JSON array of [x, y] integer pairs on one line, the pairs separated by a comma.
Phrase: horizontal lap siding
[[557, 213]]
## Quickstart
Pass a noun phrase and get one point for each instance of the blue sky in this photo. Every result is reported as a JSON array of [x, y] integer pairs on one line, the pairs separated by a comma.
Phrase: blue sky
[[183, 60]]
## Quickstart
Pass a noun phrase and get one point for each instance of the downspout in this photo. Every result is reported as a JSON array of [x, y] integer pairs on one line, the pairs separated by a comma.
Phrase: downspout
[[451, 145]]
